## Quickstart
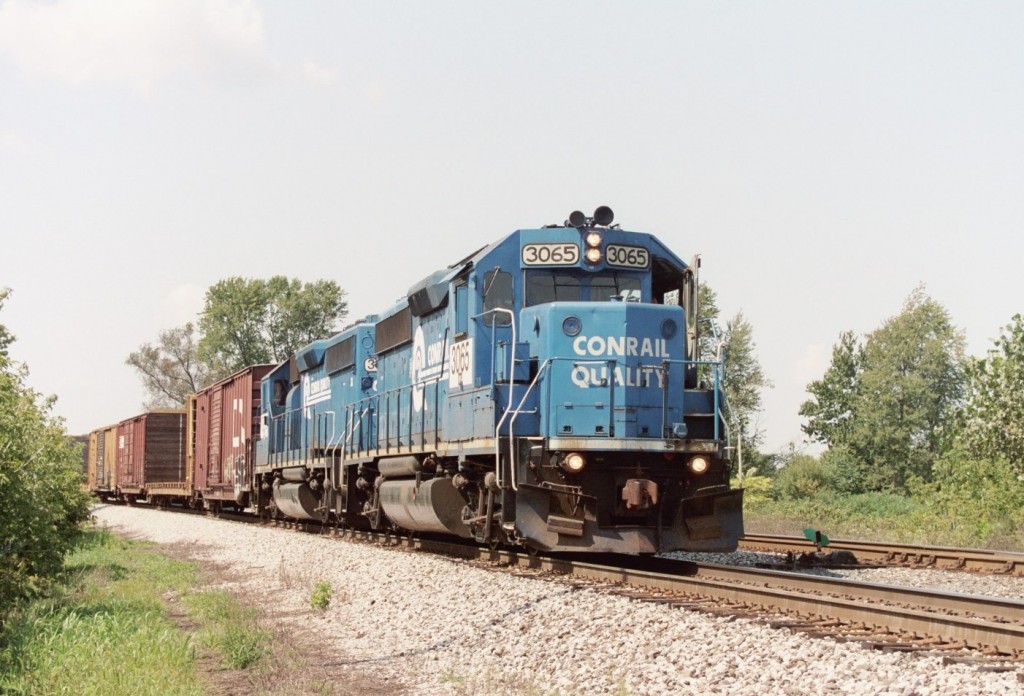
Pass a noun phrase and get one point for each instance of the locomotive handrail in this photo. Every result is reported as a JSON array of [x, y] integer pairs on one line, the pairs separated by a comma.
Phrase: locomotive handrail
[[281, 419], [355, 425], [286, 448], [366, 404], [334, 429], [725, 426], [511, 385], [511, 424], [322, 420], [716, 366], [407, 433]]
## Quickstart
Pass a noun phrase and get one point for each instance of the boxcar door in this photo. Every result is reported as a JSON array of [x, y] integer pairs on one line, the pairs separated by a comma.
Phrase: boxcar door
[[216, 472]]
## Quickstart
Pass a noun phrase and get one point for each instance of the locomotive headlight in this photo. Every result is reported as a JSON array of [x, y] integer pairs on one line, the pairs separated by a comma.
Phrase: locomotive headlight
[[593, 239], [698, 464], [574, 463], [593, 255]]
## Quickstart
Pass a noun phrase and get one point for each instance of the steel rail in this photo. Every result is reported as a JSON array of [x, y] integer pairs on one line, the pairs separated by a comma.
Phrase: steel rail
[[1000, 609], [939, 557], [923, 613]]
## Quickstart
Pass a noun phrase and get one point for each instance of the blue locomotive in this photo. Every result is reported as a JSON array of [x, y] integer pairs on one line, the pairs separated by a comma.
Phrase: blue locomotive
[[545, 391]]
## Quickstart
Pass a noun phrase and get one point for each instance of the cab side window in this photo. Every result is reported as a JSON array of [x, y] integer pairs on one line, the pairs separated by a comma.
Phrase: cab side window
[[461, 309], [497, 294]]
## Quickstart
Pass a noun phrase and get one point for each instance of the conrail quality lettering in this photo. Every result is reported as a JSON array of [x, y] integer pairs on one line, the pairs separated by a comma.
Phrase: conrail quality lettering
[[590, 375]]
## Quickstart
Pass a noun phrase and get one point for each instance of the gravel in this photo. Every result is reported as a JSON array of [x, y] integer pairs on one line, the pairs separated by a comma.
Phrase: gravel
[[428, 625]]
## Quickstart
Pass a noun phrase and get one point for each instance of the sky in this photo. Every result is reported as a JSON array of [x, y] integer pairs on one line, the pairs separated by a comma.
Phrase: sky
[[824, 158]]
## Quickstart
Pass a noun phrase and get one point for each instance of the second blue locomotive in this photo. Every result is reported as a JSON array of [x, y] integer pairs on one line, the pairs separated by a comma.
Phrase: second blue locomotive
[[545, 391]]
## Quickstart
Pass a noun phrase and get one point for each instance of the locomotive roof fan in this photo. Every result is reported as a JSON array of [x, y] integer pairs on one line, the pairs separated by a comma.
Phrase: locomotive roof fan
[[603, 216]]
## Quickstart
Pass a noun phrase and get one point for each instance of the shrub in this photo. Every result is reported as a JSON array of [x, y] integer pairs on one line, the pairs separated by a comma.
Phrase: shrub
[[43, 506], [321, 596], [846, 473], [977, 500], [757, 490], [801, 477]]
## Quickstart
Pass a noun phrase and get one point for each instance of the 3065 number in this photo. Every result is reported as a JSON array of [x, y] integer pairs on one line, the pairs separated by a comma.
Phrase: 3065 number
[[550, 254], [627, 256]]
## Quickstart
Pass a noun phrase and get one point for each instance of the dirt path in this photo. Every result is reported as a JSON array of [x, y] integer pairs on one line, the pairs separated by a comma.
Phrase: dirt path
[[294, 665]]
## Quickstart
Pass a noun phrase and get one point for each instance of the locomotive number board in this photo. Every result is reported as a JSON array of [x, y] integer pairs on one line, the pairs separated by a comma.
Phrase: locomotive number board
[[627, 256], [566, 254]]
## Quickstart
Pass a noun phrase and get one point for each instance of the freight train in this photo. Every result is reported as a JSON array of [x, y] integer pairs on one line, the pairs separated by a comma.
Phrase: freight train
[[545, 391]]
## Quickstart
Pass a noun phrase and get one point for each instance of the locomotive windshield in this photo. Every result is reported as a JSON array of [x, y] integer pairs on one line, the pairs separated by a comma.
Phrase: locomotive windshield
[[566, 286]]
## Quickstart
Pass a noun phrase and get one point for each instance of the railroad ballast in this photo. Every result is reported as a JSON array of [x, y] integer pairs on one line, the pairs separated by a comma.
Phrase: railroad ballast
[[545, 391]]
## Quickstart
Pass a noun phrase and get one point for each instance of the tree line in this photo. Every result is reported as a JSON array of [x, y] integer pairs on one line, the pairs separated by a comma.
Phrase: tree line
[[901, 410], [245, 321], [904, 406]]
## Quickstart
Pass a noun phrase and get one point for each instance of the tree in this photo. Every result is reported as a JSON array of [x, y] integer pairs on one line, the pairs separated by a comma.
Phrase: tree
[[171, 369], [6, 339], [300, 314], [886, 406], [744, 378], [831, 409], [911, 385], [707, 319], [42, 506], [978, 479], [993, 416], [249, 321]]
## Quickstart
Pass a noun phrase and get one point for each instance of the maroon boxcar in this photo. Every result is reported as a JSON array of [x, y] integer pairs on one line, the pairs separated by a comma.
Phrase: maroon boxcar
[[224, 423], [150, 452]]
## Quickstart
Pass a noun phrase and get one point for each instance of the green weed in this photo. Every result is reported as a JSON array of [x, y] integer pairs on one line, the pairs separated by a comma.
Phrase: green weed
[[321, 596], [230, 629]]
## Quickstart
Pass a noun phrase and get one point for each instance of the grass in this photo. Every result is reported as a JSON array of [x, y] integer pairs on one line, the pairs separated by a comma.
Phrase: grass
[[106, 627], [229, 629], [883, 517]]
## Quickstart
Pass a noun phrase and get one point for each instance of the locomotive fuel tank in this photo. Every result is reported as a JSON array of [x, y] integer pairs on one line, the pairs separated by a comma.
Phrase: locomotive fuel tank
[[424, 506], [297, 500]]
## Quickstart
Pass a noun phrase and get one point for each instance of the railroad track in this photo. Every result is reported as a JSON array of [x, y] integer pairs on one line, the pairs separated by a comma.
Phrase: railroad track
[[882, 616], [881, 553], [964, 628]]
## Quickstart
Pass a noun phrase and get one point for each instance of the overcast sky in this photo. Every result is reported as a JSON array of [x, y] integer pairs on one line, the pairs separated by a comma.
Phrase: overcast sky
[[824, 158]]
